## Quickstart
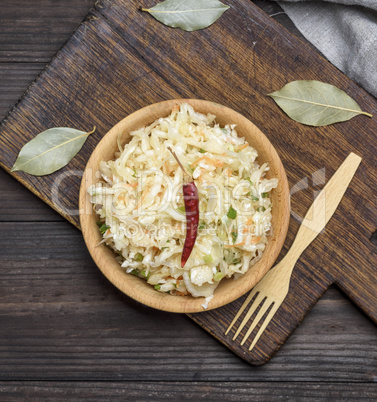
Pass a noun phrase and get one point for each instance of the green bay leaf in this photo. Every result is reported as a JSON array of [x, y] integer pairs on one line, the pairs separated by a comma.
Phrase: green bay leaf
[[189, 15], [50, 150], [316, 103]]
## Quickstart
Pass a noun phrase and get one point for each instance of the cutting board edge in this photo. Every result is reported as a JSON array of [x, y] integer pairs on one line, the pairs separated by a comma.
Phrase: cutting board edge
[[46, 200], [349, 294], [39, 195], [245, 354], [10, 113]]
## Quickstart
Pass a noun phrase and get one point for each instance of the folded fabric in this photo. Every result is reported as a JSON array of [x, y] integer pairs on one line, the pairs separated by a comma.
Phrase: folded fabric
[[345, 31]]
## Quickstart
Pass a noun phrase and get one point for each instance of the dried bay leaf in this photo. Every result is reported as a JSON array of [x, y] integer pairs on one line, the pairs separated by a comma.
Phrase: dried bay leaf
[[50, 150], [189, 15], [316, 103]]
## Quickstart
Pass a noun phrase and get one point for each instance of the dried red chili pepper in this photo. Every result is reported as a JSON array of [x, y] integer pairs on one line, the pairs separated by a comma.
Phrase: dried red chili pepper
[[191, 200]]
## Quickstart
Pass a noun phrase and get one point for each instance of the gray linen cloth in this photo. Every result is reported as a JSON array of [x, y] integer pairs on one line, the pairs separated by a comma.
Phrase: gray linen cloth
[[345, 31]]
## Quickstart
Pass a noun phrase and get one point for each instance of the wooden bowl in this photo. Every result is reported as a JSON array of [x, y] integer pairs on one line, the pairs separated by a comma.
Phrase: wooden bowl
[[228, 289]]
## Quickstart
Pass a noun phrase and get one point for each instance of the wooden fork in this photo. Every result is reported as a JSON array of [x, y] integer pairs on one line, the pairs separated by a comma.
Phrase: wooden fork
[[273, 288]]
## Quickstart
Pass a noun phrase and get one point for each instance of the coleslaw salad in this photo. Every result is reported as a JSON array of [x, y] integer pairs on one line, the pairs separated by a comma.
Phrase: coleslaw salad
[[140, 205]]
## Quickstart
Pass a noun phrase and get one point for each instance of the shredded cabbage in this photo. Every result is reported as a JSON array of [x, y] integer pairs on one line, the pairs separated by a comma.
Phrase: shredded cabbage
[[140, 204]]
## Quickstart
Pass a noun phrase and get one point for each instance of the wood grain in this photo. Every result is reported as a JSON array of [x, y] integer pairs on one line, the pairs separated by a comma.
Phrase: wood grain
[[18, 205], [62, 320], [14, 78], [34, 34], [235, 62], [208, 391]]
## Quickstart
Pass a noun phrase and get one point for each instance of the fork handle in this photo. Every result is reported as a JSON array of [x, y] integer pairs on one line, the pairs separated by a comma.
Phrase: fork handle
[[324, 206]]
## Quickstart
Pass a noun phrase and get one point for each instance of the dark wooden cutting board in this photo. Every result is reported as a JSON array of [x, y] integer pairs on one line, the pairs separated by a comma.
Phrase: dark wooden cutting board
[[120, 60]]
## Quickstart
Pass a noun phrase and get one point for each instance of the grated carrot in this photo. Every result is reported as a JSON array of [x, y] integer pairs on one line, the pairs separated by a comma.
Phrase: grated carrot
[[168, 166], [249, 224], [242, 147], [214, 162], [235, 245], [255, 240], [249, 221], [142, 198], [202, 158]]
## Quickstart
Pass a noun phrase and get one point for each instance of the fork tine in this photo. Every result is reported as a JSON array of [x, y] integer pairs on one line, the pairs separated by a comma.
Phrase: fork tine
[[256, 320], [258, 300], [264, 325], [244, 305]]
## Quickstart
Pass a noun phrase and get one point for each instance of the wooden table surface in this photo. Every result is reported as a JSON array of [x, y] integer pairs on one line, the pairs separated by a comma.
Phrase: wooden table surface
[[67, 333]]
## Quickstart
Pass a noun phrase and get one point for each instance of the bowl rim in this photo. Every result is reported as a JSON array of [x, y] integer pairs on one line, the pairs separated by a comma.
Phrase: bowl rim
[[134, 287]]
